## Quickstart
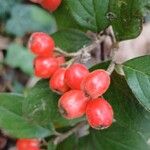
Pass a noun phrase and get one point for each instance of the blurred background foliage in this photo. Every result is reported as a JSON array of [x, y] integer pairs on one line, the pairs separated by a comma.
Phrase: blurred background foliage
[[18, 19]]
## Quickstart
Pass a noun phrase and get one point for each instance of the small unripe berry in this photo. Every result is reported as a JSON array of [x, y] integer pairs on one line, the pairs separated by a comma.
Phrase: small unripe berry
[[51, 5], [75, 74], [41, 44], [57, 82], [28, 144], [45, 67], [73, 104], [99, 113], [96, 83]]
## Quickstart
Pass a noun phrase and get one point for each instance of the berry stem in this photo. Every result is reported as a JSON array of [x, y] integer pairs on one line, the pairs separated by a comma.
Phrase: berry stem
[[44, 142], [80, 52], [69, 63], [115, 48], [64, 136], [111, 67], [66, 54]]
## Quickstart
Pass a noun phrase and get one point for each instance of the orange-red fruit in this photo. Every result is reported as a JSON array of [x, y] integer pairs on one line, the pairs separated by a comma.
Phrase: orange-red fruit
[[51, 5], [57, 82], [28, 144], [96, 83], [73, 104], [99, 113], [75, 74], [45, 67], [41, 44], [60, 59]]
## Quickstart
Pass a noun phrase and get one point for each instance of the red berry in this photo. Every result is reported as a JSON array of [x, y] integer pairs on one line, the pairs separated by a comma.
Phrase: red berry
[[51, 5], [45, 67], [57, 82], [99, 113], [41, 44], [73, 104], [60, 59], [96, 83], [28, 144], [75, 74]]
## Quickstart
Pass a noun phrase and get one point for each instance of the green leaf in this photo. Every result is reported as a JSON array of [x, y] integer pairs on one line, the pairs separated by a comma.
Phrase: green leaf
[[90, 14], [19, 57], [71, 40], [70, 143], [37, 105], [96, 15], [51, 146], [103, 65], [61, 15], [30, 18], [126, 18], [13, 123], [116, 138], [137, 72], [41, 107], [19, 127], [13, 102], [146, 6], [6, 6]]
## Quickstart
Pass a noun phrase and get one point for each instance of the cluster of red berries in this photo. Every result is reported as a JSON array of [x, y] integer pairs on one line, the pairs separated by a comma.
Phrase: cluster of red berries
[[50, 5], [80, 89]]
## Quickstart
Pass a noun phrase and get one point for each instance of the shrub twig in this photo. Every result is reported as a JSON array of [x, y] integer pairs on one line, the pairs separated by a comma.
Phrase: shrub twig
[[63, 136]]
